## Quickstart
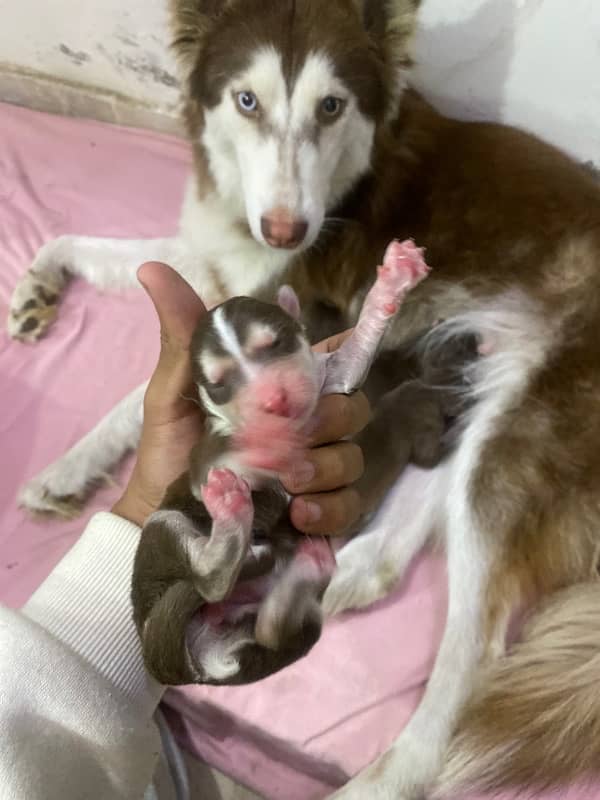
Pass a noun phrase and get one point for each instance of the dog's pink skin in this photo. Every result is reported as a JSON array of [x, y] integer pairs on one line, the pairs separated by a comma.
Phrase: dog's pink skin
[[227, 497]]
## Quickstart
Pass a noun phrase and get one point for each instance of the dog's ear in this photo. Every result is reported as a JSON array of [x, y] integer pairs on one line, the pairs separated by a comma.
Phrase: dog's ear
[[391, 24], [191, 22]]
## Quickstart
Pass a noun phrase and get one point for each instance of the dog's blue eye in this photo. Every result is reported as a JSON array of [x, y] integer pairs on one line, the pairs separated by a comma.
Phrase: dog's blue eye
[[247, 101], [331, 105]]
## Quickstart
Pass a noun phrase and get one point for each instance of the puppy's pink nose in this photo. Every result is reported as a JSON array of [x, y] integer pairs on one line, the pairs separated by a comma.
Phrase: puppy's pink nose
[[277, 403], [281, 229]]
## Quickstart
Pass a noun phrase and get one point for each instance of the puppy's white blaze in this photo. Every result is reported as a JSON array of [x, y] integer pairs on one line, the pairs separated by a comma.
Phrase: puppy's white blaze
[[231, 343], [227, 335]]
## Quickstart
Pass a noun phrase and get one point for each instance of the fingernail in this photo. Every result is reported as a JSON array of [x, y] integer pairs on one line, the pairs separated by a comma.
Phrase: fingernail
[[300, 475], [311, 512]]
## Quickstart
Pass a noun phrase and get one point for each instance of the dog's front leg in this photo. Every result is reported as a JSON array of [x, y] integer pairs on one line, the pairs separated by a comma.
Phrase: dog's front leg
[[60, 488], [106, 263]]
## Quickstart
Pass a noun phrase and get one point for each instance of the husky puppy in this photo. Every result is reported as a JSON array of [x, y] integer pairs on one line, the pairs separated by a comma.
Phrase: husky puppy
[[311, 154], [213, 541]]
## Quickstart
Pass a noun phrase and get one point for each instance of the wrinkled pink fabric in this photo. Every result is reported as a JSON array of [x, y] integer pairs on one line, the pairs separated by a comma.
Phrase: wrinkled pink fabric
[[301, 732]]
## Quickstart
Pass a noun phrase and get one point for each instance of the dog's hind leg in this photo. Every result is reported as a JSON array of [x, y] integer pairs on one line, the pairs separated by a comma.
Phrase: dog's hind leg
[[106, 263], [413, 761], [61, 487], [371, 564]]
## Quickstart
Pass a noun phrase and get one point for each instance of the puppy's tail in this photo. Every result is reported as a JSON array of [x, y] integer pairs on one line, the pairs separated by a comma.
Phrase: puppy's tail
[[163, 635], [534, 719]]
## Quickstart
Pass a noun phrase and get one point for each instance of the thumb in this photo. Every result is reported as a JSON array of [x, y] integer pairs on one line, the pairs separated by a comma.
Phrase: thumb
[[179, 309], [178, 306]]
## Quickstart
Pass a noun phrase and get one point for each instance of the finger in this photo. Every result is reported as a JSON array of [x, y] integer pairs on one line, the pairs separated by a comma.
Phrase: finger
[[328, 514], [178, 306], [325, 468], [339, 416], [332, 343]]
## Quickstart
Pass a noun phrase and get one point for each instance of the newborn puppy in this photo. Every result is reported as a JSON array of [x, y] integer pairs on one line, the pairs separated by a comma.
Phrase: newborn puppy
[[224, 590]]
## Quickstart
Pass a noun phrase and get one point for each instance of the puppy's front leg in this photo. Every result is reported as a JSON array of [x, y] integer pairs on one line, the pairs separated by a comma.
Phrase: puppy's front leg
[[106, 263], [402, 269]]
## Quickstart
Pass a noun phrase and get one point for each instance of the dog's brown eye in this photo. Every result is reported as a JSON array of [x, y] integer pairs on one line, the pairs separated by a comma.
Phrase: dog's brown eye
[[332, 106], [247, 102]]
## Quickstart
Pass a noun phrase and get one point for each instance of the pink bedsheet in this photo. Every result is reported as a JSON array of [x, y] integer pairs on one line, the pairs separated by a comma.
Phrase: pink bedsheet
[[304, 730]]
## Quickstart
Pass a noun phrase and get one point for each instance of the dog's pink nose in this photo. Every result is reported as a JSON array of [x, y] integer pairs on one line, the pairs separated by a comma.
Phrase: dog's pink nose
[[277, 403], [281, 229]]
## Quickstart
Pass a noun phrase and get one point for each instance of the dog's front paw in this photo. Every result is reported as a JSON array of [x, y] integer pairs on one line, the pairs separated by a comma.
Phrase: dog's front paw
[[34, 305], [40, 499]]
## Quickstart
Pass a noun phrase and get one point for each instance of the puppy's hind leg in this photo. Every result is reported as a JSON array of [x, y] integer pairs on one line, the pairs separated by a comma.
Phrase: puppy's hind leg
[[216, 562], [62, 486], [106, 263]]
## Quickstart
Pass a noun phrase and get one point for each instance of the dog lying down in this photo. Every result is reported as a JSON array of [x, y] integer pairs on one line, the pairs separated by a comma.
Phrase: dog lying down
[[225, 590]]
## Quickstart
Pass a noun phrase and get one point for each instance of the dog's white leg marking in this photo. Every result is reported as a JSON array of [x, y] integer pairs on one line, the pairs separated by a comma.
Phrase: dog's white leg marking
[[414, 760], [371, 564], [59, 488], [106, 263]]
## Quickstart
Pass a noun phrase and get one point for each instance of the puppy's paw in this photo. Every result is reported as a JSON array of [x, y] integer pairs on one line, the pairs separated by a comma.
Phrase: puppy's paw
[[227, 497], [402, 269], [34, 306]]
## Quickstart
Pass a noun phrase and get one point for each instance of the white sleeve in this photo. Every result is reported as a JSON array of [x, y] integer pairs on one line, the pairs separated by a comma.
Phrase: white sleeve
[[76, 703]]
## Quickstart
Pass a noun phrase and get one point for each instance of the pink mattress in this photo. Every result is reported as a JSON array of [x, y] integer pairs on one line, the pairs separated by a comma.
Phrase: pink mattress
[[303, 731]]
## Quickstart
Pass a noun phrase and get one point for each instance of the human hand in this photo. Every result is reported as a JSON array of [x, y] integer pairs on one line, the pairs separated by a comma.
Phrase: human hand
[[326, 503], [172, 425]]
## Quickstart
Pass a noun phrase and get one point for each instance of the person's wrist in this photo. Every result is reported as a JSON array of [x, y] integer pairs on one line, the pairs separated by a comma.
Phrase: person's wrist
[[132, 507]]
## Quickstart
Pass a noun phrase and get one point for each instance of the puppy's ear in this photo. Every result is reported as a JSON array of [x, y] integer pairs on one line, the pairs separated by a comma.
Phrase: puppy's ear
[[287, 299], [191, 22], [391, 25]]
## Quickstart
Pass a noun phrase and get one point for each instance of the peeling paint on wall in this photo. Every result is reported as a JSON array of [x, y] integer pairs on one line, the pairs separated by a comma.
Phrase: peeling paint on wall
[[107, 44], [476, 58], [78, 57]]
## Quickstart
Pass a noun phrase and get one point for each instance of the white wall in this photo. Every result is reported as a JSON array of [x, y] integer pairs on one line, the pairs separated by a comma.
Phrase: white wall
[[535, 63], [115, 45], [532, 63]]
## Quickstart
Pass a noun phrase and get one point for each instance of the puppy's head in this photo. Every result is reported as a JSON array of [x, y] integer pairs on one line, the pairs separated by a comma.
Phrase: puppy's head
[[252, 362]]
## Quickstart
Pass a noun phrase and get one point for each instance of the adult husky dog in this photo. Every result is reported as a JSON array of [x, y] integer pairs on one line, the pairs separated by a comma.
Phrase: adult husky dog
[[310, 154]]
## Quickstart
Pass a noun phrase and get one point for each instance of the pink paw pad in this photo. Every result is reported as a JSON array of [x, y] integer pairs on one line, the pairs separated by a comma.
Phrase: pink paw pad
[[402, 269], [226, 496]]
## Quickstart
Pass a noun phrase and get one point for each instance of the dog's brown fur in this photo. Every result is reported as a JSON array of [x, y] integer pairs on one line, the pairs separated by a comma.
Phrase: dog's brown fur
[[497, 210]]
